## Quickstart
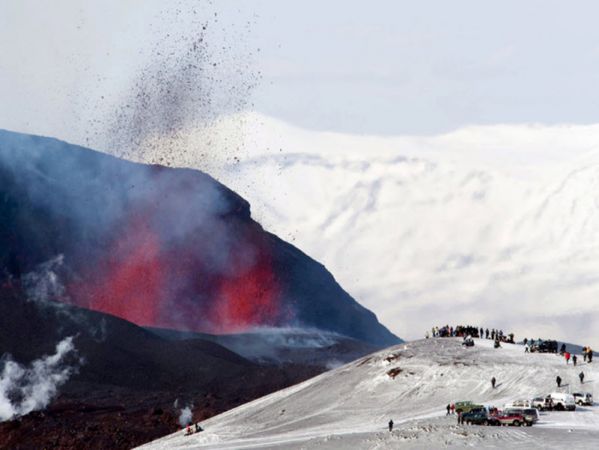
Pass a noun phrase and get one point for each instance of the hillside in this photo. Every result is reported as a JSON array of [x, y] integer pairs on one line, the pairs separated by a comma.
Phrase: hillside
[[118, 385], [349, 407]]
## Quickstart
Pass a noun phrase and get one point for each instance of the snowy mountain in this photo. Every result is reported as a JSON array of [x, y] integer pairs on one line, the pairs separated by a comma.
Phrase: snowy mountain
[[491, 225], [411, 383]]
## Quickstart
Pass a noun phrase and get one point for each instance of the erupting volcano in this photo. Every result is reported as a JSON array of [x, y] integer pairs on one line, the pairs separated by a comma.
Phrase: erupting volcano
[[160, 247]]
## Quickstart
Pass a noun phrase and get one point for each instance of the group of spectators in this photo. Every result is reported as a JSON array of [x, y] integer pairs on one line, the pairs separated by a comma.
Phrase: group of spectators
[[469, 330]]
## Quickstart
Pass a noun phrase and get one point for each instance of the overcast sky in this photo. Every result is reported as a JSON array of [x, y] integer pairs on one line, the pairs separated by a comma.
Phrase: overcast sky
[[377, 67]]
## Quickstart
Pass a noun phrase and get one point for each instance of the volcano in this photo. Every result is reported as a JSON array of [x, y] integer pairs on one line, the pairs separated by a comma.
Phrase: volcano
[[160, 247]]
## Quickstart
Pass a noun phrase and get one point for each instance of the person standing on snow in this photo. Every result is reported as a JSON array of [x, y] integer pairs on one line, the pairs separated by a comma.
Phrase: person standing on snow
[[448, 410], [567, 356], [581, 376], [452, 408], [493, 381], [391, 425], [558, 380], [574, 359]]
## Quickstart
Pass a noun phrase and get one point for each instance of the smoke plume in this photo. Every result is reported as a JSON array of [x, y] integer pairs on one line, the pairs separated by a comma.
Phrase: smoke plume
[[185, 416], [26, 389]]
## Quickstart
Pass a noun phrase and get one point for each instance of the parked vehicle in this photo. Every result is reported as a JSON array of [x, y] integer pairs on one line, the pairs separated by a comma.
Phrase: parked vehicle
[[542, 346], [519, 404], [464, 407], [583, 398], [562, 401], [540, 403], [479, 417], [504, 418], [468, 341], [531, 415]]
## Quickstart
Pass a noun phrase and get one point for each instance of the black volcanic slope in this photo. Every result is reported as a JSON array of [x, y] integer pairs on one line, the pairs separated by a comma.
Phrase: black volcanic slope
[[160, 247], [128, 380]]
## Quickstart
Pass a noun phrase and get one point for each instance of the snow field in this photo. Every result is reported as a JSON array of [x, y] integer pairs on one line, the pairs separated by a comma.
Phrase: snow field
[[349, 407]]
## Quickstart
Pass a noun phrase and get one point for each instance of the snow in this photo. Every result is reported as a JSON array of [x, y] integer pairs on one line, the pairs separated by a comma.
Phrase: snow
[[349, 407]]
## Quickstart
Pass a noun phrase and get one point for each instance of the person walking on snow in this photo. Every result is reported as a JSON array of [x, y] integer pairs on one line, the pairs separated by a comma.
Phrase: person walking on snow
[[448, 410], [460, 418], [558, 380], [493, 381], [574, 359], [452, 408], [567, 356], [391, 425], [581, 376]]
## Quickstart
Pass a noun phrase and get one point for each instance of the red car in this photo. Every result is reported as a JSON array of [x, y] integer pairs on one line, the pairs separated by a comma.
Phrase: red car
[[506, 419]]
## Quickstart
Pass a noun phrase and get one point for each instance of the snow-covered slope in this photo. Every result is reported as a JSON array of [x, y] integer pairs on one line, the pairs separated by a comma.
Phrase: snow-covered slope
[[349, 407], [491, 225]]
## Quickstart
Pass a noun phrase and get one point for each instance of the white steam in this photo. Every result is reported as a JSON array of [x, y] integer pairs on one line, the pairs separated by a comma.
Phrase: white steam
[[43, 284], [26, 389], [185, 416]]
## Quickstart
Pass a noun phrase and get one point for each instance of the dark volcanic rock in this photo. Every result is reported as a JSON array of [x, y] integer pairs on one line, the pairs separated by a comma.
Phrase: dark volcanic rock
[[159, 247], [128, 379]]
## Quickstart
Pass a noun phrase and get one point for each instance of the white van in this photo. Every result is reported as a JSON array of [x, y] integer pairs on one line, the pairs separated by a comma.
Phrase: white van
[[583, 398], [562, 401]]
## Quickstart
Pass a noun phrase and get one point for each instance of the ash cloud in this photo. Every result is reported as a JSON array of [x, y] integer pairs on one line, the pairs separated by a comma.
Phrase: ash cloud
[[199, 68], [26, 389]]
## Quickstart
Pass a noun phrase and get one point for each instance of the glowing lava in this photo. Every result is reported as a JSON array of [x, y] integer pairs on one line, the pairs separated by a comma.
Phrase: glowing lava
[[129, 281], [145, 279], [250, 297]]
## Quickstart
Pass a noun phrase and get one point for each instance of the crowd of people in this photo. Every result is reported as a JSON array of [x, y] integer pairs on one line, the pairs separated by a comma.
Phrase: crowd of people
[[472, 331]]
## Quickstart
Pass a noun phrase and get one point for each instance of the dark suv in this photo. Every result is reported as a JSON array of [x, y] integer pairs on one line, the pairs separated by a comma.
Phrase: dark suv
[[479, 417], [544, 346]]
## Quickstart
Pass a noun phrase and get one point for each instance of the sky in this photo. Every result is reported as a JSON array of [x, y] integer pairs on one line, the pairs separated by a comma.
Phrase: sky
[[380, 67], [107, 74]]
